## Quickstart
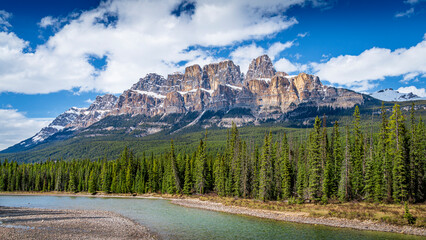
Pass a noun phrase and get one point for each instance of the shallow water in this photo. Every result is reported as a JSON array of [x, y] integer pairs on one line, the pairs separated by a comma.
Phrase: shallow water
[[175, 222]]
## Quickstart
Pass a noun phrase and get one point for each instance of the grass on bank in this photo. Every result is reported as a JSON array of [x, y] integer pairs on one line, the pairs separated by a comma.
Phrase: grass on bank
[[387, 213]]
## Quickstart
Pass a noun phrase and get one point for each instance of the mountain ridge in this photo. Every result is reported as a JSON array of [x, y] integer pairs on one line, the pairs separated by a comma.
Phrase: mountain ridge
[[264, 92]]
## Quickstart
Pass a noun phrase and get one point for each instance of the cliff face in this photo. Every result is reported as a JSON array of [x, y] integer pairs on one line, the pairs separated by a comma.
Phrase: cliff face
[[219, 86]]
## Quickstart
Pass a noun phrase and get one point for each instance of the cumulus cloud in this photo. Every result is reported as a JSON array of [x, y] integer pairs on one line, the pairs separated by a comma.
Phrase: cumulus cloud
[[421, 92], [277, 48], [243, 55], [285, 65], [359, 71], [15, 126], [135, 37]]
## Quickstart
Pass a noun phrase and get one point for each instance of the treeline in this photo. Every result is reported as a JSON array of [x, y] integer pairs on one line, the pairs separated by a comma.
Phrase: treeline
[[348, 164]]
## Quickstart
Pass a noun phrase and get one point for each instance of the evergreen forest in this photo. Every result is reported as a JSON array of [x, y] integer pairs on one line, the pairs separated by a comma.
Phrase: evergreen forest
[[354, 162]]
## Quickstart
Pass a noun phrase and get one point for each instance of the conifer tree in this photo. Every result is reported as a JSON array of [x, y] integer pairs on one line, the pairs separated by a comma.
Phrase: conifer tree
[[201, 169], [338, 158], [105, 178], [397, 150], [92, 182], [265, 174], [345, 181], [315, 161], [357, 156], [72, 182], [301, 173], [174, 170], [187, 187], [285, 170], [245, 172]]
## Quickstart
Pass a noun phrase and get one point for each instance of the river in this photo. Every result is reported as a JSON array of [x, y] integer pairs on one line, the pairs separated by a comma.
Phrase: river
[[175, 222]]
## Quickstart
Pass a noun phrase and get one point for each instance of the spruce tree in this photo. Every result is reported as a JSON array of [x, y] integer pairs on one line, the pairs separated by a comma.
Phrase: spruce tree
[[345, 181], [92, 182], [301, 173], [72, 182], [315, 161], [338, 158], [285, 170], [357, 156], [174, 174], [201, 169], [398, 151], [265, 174]]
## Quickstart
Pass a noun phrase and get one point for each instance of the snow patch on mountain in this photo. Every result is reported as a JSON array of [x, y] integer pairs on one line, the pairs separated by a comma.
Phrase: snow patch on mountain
[[391, 95]]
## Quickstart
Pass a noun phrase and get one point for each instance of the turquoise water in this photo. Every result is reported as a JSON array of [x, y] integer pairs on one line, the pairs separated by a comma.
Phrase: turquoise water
[[176, 222]]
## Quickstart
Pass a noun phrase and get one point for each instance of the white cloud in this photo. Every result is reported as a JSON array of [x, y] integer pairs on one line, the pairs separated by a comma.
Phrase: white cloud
[[15, 126], [48, 21], [421, 92], [409, 76], [145, 38], [4, 20], [277, 48], [285, 65], [243, 55], [407, 13], [372, 64], [413, 1], [89, 101], [302, 35]]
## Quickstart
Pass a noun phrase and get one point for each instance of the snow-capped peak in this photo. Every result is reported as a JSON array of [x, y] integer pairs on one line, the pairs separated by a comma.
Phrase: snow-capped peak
[[389, 94]]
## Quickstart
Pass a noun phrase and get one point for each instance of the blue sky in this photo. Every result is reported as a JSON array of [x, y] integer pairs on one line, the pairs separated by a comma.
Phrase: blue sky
[[59, 54]]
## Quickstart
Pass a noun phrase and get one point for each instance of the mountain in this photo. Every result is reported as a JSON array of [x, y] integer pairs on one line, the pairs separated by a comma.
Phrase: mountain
[[214, 95], [389, 94]]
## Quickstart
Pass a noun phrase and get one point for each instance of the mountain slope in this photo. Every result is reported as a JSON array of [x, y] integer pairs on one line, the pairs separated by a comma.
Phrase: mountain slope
[[214, 95]]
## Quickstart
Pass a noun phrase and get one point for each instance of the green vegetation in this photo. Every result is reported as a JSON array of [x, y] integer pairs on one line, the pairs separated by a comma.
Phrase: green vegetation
[[384, 166]]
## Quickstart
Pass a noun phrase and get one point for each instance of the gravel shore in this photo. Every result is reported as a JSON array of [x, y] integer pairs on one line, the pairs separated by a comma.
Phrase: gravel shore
[[32, 223], [300, 217]]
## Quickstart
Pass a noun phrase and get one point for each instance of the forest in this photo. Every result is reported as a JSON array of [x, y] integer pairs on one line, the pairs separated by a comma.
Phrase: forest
[[348, 163]]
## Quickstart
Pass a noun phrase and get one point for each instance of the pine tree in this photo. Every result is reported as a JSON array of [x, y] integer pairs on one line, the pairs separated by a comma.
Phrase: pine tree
[[381, 173], [301, 174], [105, 178], [245, 172], [397, 150], [328, 165], [201, 169], [92, 182], [285, 170], [345, 181], [72, 182], [265, 175], [187, 186], [357, 156], [315, 161], [174, 174], [338, 158]]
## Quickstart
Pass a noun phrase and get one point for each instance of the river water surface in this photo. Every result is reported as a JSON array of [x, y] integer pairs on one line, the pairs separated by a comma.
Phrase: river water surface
[[175, 222]]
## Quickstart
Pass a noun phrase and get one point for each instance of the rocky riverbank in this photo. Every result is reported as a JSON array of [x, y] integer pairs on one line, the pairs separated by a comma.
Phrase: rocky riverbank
[[300, 217], [32, 223]]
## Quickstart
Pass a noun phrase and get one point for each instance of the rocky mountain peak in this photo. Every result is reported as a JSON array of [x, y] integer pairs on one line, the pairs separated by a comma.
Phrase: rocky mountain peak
[[193, 78], [152, 82], [105, 102], [260, 68], [222, 73], [266, 94]]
